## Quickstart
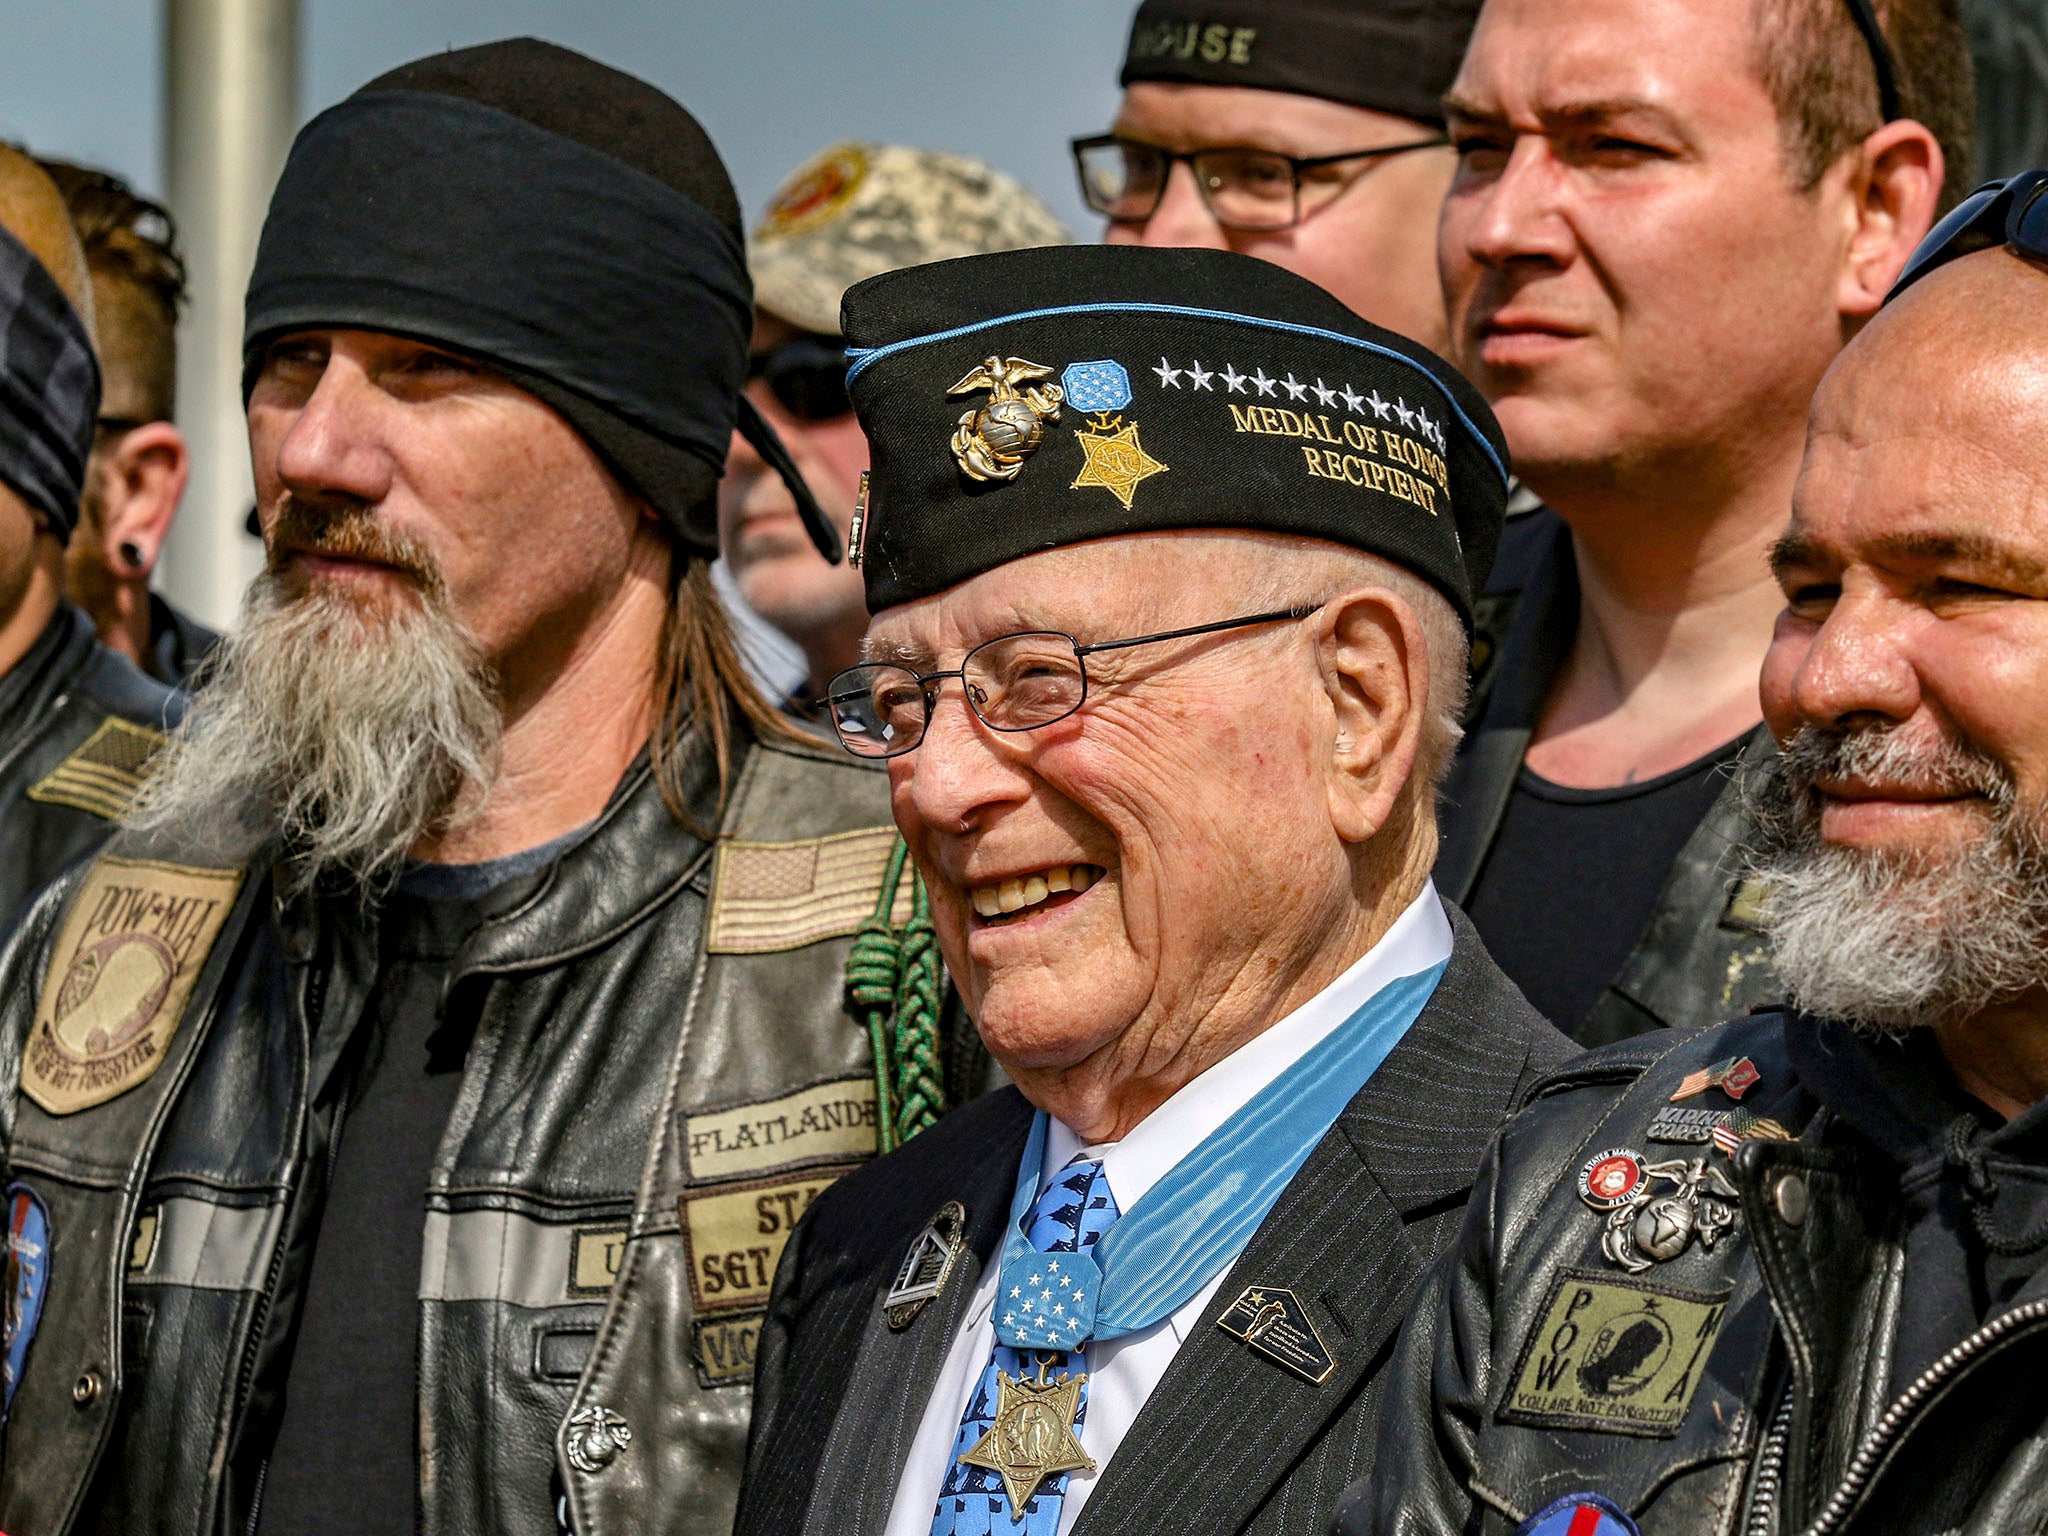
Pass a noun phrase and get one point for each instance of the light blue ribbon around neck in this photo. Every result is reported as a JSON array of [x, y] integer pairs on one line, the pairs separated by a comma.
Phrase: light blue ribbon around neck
[[1196, 1220]]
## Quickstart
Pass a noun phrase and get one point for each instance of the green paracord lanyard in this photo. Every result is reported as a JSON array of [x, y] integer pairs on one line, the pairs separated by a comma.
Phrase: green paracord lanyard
[[896, 984]]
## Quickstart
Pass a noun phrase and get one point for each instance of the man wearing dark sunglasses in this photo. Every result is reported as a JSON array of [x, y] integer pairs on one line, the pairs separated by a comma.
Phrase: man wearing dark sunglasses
[[852, 211], [1667, 220], [1305, 132]]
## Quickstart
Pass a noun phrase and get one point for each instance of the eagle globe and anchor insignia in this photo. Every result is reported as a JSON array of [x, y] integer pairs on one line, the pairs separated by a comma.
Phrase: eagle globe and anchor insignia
[[993, 440], [1646, 1228], [1033, 1436]]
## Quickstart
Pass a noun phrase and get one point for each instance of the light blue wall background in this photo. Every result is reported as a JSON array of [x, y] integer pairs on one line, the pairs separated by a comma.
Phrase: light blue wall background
[[773, 80]]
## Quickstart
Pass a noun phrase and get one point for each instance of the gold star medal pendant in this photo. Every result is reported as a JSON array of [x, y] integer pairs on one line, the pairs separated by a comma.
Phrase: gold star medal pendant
[[1112, 456], [1033, 1436]]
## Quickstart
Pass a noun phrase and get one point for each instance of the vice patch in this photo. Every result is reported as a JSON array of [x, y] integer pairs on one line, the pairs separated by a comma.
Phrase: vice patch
[[27, 1283], [722, 1348], [1613, 1353], [734, 1235], [123, 969], [774, 896], [104, 772], [826, 1123]]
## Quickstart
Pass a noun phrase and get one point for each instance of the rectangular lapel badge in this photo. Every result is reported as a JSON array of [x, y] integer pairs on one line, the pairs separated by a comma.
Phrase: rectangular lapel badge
[[1612, 1353], [1275, 1324], [767, 897]]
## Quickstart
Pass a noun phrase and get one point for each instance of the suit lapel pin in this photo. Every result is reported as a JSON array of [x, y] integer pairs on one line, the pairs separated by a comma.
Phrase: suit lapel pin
[[1274, 1323], [927, 1266]]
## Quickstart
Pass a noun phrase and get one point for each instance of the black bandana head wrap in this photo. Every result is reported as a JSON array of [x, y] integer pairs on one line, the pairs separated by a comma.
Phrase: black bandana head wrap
[[49, 389], [551, 216]]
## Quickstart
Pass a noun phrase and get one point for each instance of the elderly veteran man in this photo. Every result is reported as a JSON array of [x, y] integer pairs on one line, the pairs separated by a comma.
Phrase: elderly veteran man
[[78, 724], [854, 210], [1667, 219], [1791, 1273], [1163, 675], [404, 1114], [1306, 132]]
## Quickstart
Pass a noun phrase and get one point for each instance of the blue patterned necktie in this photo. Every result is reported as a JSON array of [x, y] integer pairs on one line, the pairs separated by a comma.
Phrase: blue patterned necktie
[[1072, 1213]]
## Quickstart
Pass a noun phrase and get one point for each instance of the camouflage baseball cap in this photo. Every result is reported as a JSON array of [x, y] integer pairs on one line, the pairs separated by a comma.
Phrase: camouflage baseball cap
[[858, 210]]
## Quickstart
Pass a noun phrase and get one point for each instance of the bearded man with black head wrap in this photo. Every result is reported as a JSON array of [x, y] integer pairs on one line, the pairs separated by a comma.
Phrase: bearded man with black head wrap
[[407, 1110]]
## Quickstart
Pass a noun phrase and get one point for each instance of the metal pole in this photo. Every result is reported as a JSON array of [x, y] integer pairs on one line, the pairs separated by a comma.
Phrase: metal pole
[[231, 105]]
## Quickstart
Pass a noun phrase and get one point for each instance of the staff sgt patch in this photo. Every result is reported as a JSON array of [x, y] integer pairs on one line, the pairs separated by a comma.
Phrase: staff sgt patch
[[1614, 1354], [124, 964]]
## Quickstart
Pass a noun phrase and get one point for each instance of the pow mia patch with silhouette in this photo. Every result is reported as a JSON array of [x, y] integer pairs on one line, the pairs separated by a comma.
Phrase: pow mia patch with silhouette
[[119, 978], [1614, 1354]]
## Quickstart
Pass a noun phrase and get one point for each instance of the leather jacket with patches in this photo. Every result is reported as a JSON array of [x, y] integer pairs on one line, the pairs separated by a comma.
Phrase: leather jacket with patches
[[664, 1070], [78, 725], [1701, 955], [1586, 1337]]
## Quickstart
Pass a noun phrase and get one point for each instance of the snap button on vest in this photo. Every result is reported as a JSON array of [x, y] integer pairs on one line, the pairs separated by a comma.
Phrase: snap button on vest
[[1789, 1195], [86, 1390]]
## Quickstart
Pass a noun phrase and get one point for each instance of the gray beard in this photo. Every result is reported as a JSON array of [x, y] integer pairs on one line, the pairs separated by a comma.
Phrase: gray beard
[[353, 733], [1890, 941]]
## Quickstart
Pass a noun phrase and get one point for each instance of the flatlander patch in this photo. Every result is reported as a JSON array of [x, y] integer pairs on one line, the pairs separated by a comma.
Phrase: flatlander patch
[[122, 971], [1614, 1354]]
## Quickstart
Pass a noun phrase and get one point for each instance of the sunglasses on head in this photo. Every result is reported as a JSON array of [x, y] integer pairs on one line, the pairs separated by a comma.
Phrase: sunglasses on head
[[806, 374], [2013, 212]]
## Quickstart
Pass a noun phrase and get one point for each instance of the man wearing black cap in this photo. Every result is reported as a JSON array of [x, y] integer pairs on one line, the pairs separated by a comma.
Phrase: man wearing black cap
[[1164, 663], [1667, 221], [1306, 132], [78, 724], [414, 1098]]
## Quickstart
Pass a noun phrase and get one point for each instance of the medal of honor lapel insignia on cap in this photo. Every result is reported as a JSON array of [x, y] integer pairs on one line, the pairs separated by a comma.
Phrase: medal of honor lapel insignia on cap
[[993, 440], [1273, 1321], [1033, 1436], [1113, 458], [927, 1266]]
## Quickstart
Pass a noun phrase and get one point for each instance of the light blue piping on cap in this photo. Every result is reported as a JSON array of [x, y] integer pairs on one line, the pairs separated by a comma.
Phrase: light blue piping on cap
[[862, 356]]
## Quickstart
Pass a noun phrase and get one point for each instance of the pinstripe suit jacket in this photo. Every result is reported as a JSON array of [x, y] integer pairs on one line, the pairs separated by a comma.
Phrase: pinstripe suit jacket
[[1228, 1442]]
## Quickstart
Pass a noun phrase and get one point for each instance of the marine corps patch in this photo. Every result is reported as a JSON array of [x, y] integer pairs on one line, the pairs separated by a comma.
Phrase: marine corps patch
[[119, 977], [1612, 1354]]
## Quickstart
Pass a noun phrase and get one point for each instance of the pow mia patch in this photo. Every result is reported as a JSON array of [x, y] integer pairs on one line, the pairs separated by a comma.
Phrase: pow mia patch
[[1615, 1354], [734, 1235], [119, 977]]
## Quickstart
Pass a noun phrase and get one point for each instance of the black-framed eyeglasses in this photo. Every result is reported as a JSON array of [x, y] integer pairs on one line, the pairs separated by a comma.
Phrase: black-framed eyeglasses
[[806, 374], [2013, 211], [1014, 682], [1249, 190]]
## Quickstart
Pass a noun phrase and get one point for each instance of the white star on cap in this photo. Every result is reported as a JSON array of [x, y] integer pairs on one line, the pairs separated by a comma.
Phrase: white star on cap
[[1233, 380], [1352, 399], [1200, 376], [1294, 387], [1428, 426], [1265, 384], [1324, 394], [1380, 408], [1401, 410], [1169, 377]]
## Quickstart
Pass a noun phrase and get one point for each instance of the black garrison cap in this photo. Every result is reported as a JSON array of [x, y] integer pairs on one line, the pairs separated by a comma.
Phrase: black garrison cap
[[1026, 400], [1396, 56]]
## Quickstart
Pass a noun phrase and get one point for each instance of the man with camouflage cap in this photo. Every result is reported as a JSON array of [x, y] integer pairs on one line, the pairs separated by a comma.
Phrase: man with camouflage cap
[[405, 1111], [853, 211]]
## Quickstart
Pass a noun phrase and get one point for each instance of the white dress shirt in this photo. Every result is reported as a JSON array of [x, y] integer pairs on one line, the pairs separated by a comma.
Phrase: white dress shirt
[[1122, 1372]]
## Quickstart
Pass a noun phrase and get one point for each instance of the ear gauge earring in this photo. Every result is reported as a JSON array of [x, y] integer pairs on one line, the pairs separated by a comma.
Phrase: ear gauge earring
[[131, 552]]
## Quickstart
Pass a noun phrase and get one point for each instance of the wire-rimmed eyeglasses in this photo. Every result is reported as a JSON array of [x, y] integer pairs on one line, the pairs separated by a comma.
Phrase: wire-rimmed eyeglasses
[[1252, 191], [1014, 682]]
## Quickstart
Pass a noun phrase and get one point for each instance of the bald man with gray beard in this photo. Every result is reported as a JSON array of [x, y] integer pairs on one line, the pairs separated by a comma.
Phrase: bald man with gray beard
[[78, 724], [1791, 1273]]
